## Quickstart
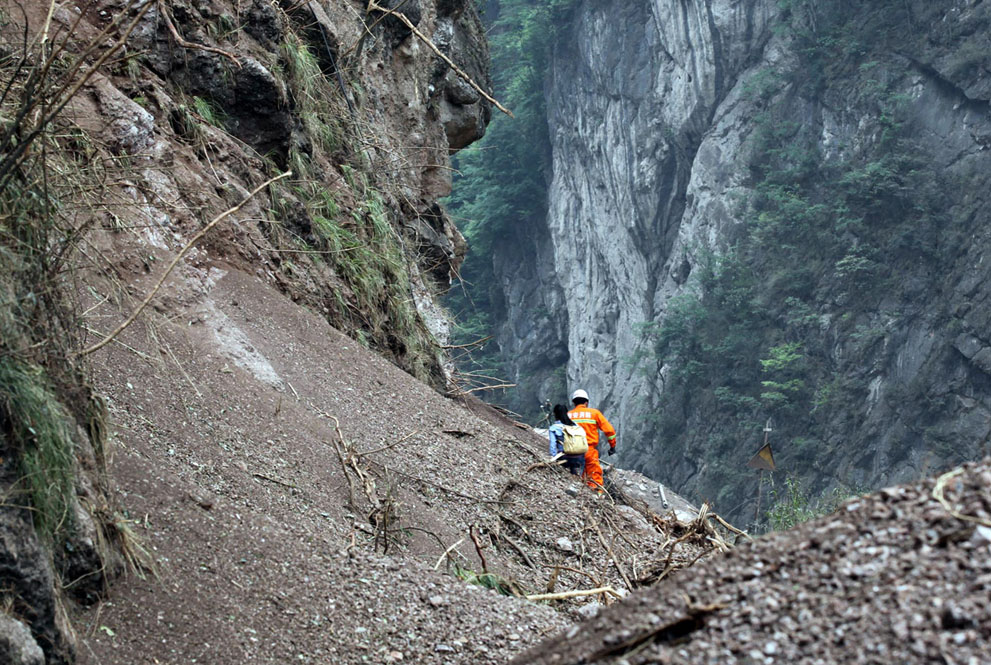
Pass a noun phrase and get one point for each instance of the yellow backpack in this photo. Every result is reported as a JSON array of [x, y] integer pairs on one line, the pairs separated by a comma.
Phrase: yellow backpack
[[575, 441]]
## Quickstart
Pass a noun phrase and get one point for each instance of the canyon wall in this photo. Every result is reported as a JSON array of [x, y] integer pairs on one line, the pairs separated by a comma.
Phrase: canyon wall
[[771, 212]]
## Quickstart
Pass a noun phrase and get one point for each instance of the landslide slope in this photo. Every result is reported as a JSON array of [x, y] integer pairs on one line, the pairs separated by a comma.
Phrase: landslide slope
[[228, 458], [273, 460]]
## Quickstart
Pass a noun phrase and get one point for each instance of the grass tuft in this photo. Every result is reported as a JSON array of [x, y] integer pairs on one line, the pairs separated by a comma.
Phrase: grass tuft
[[38, 426]]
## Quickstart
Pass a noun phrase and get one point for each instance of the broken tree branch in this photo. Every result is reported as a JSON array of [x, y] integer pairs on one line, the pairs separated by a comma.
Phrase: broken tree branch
[[391, 445], [579, 571], [732, 528], [192, 45], [447, 553], [613, 557], [274, 480], [546, 464], [526, 558], [478, 547], [938, 494], [575, 594]]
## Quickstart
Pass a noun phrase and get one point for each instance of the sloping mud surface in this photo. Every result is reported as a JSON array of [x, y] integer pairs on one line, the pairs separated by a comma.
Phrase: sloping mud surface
[[229, 465]]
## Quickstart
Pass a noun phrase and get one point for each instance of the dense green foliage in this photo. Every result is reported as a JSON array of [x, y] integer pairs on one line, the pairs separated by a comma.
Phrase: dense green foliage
[[834, 245], [793, 505], [501, 181]]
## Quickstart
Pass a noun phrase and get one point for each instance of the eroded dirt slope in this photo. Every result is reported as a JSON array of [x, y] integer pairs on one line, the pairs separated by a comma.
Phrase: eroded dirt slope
[[225, 456]]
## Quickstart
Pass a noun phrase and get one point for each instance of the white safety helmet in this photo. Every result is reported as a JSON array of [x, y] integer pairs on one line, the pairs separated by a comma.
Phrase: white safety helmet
[[579, 394]]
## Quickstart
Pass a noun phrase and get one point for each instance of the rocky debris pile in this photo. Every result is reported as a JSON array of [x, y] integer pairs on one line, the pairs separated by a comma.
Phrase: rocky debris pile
[[902, 576], [660, 499]]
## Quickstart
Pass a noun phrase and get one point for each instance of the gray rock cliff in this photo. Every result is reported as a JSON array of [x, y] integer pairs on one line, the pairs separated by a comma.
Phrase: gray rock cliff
[[655, 113]]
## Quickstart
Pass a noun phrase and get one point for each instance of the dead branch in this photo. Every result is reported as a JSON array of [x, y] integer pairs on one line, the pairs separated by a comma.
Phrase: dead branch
[[526, 558], [579, 571], [575, 594], [21, 150], [469, 345], [938, 493], [613, 557], [673, 545], [695, 619], [347, 476], [175, 261], [447, 552], [478, 547], [519, 526], [649, 579], [367, 484], [498, 386], [391, 445], [552, 581], [163, 12], [732, 528], [433, 484], [544, 465], [508, 488], [274, 480]]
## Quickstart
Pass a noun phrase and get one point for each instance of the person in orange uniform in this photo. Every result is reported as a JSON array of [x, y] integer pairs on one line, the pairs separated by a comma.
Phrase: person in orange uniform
[[592, 421]]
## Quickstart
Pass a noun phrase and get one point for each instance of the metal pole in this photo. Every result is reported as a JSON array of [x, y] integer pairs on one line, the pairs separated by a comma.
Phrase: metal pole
[[760, 478], [760, 483]]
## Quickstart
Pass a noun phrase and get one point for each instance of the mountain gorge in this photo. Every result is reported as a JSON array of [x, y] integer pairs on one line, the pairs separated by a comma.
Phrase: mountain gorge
[[233, 422], [759, 213]]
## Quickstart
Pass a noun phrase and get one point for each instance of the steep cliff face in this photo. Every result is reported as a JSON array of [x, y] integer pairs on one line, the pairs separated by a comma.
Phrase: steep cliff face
[[788, 194], [635, 89]]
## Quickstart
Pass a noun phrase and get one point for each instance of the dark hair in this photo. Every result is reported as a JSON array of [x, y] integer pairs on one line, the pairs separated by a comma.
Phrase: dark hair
[[579, 400], [561, 413]]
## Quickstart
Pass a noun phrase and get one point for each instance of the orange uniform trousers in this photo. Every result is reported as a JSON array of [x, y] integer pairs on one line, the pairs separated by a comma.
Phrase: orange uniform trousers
[[593, 470]]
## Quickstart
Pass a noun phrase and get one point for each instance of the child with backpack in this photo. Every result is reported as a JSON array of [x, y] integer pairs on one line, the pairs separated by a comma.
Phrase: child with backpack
[[568, 440]]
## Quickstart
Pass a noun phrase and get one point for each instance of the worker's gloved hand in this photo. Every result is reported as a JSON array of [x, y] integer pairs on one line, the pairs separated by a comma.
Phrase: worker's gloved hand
[[612, 451]]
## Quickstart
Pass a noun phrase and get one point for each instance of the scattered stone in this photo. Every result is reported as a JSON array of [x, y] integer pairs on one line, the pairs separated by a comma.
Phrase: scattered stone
[[590, 610], [894, 577], [564, 544], [17, 646], [982, 535]]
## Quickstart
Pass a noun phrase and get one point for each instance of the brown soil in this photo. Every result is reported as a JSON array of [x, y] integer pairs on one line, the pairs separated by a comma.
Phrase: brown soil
[[224, 459]]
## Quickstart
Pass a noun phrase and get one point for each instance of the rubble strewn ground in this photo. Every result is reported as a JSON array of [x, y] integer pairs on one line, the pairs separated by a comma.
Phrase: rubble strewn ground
[[237, 413], [903, 576]]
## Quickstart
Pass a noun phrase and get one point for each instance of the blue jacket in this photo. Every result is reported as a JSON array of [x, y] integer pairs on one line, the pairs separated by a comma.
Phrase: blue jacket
[[555, 434]]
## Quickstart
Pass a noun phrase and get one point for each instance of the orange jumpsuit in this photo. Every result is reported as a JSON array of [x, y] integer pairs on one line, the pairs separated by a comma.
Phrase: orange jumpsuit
[[592, 421]]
